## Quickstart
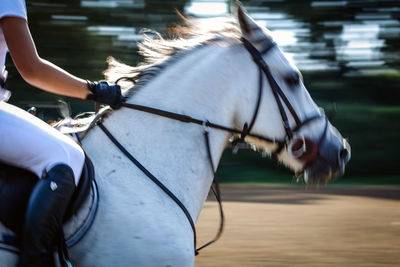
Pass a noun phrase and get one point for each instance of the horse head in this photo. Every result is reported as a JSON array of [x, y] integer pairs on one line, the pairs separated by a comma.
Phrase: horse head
[[304, 138], [237, 56]]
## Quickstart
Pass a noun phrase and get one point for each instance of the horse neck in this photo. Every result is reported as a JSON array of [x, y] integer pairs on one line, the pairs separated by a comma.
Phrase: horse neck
[[199, 85]]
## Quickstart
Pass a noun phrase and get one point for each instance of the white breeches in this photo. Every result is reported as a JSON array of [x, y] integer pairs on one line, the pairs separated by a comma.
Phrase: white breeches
[[30, 143]]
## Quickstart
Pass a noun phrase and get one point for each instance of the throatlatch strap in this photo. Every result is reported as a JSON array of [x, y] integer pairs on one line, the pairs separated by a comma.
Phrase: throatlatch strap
[[247, 127], [260, 87]]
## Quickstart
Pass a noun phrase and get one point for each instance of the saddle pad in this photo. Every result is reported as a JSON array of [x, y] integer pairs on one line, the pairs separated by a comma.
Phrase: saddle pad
[[74, 229]]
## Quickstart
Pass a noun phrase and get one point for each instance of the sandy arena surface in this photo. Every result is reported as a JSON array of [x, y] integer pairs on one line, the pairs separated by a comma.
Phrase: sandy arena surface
[[295, 226]]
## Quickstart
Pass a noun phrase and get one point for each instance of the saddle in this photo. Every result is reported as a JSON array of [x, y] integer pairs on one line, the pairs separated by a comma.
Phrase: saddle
[[16, 185]]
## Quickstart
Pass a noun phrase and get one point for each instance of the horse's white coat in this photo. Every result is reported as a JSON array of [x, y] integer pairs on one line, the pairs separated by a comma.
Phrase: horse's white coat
[[139, 225], [153, 230]]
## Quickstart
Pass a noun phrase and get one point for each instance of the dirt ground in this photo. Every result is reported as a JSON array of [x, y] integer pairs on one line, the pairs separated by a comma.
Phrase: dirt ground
[[294, 226]]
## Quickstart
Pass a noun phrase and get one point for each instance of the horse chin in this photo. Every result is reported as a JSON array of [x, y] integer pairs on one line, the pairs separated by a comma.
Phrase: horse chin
[[321, 173]]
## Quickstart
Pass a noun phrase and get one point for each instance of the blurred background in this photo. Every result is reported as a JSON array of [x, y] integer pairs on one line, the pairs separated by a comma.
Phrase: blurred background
[[348, 52]]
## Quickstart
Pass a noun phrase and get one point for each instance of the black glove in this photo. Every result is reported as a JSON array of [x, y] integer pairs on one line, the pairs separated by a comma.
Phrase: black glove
[[104, 93]]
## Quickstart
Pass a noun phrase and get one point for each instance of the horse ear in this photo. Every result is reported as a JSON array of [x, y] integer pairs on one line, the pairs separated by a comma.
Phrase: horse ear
[[249, 28]]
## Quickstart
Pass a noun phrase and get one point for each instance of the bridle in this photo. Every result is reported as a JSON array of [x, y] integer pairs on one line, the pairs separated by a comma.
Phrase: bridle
[[307, 149], [303, 148]]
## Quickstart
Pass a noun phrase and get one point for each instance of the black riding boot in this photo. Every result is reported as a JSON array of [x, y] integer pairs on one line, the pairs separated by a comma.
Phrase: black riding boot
[[44, 216]]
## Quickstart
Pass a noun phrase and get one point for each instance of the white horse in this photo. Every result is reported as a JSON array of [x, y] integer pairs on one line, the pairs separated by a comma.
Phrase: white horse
[[208, 74]]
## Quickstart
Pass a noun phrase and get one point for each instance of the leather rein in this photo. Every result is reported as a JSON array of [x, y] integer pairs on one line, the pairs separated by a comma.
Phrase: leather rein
[[281, 143]]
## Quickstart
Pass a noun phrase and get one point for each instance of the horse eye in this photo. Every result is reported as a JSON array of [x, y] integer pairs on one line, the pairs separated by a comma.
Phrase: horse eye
[[293, 79]]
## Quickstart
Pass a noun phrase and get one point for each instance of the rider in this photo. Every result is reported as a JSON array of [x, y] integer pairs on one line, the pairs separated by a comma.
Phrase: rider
[[30, 143]]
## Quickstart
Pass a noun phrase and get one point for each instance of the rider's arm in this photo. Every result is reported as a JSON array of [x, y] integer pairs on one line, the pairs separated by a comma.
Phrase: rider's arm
[[35, 70]]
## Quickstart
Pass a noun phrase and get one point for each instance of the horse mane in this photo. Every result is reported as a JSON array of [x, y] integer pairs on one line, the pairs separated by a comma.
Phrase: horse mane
[[159, 52]]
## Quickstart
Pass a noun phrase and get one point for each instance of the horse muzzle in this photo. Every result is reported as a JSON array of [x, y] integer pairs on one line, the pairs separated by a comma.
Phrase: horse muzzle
[[322, 161]]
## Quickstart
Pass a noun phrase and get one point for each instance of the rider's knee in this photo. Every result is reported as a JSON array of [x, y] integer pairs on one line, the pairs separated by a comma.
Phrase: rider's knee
[[71, 155], [77, 159]]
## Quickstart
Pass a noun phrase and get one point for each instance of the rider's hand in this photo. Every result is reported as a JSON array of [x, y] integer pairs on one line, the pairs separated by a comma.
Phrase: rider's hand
[[104, 93]]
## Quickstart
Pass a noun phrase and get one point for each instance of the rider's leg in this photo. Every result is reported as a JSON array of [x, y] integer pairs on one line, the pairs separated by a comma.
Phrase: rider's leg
[[30, 143], [44, 216]]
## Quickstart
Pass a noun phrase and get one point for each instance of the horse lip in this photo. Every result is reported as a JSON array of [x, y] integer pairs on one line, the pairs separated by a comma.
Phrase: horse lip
[[321, 171], [327, 165]]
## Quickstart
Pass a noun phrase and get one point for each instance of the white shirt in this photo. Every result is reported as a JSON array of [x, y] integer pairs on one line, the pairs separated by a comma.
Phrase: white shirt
[[9, 8]]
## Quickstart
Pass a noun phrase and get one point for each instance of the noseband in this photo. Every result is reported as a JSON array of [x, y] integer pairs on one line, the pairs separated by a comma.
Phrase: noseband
[[303, 149]]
